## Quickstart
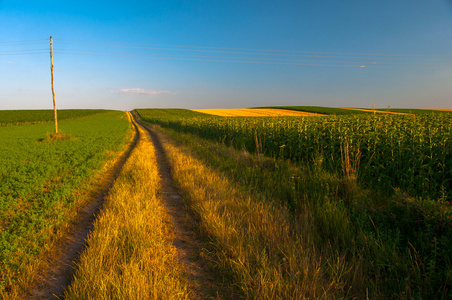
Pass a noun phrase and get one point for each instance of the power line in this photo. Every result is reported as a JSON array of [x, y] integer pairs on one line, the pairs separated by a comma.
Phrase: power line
[[200, 59], [356, 65], [230, 50], [253, 56], [26, 41], [26, 53], [28, 50], [246, 49], [144, 54], [22, 47], [25, 44], [446, 58]]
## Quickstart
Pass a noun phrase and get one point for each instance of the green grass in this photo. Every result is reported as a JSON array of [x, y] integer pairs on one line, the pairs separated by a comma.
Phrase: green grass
[[405, 151], [377, 189], [19, 117], [38, 181], [370, 244], [130, 252], [174, 113], [319, 110]]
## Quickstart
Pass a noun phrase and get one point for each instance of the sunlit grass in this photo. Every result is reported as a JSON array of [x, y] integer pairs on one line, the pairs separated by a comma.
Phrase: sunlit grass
[[355, 243], [406, 151], [130, 253], [255, 239], [44, 183]]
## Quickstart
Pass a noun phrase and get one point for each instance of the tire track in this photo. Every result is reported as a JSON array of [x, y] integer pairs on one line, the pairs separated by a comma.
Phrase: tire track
[[191, 242], [57, 278], [183, 220]]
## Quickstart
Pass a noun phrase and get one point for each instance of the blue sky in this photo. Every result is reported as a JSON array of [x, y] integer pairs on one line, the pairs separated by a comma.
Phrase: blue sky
[[216, 54]]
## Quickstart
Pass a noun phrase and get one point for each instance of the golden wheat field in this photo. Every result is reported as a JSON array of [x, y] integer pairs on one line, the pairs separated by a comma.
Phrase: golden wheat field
[[376, 111], [439, 109], [255, 112]]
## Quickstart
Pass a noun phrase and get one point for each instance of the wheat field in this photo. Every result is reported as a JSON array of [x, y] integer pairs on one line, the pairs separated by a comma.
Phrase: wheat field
[[255, 112]]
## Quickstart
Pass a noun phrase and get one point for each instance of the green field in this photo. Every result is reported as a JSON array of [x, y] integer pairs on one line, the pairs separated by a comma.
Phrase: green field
[[39, 178], [364, 199], [18, 117], [408, 152], [374, 190]]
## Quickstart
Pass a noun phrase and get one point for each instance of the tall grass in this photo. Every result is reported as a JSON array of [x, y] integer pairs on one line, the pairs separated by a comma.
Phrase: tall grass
[[269, 253], [354, 243], [130, 253], [411, 152]]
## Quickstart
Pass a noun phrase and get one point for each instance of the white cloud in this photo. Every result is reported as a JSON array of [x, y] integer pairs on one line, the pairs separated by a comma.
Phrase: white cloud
[[141, 92]]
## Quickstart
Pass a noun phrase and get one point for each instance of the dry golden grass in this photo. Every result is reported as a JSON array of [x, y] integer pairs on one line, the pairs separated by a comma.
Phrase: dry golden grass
[[375, 111], [439, 109], [254, 239], [255, 112], [130, 253]]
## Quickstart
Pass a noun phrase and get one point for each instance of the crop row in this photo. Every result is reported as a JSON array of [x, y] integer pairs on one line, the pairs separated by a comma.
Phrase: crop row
[[38, 180], [18, 117], [412, 152]]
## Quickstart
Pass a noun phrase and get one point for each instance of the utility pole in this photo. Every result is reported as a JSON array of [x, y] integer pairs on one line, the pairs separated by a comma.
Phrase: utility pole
[[53, 88]]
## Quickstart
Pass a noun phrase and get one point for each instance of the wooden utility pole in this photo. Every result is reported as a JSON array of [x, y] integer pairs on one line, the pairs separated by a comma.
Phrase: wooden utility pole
[[53, 88]]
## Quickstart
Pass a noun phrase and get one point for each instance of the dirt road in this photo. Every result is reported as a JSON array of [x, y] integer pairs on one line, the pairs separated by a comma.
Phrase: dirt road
[[188, 242]]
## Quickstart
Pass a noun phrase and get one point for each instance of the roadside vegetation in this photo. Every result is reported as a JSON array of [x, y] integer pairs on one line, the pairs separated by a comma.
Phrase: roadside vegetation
[[252, 239], [385, 151], [129, 253], [315, 226], [43, 181]]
